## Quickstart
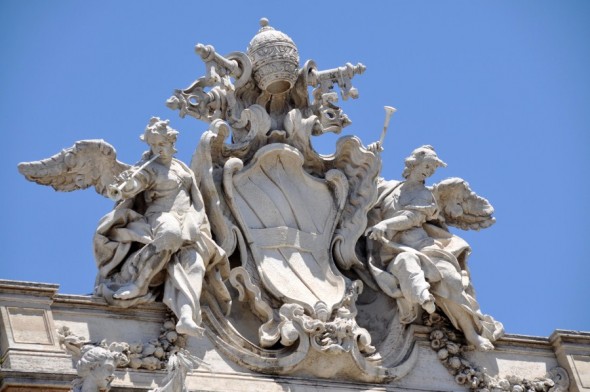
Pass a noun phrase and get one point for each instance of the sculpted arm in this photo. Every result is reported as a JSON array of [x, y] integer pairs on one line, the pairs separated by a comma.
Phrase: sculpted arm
[[129, 184], [401, 221]]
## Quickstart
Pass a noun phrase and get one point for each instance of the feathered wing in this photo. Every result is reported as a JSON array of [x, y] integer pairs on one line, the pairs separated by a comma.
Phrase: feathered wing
[[461, 207], [87, 163]]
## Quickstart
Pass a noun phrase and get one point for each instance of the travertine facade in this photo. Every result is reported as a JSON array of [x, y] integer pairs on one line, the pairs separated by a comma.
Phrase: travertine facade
[[38, 357], [278, 267]]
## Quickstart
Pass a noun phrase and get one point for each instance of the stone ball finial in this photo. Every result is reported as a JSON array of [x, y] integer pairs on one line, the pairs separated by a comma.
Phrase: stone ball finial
[[275, 59]]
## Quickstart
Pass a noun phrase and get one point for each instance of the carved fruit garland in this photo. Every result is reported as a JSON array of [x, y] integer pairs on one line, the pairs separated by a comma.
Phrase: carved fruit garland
[[447, 342]]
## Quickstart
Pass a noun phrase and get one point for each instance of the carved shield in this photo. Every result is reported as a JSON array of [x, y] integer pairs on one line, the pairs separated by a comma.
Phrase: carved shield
[[288, 218]]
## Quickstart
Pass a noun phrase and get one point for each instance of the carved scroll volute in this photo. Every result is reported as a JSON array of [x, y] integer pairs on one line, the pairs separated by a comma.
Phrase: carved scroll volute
[[207, 155], [212, 96]]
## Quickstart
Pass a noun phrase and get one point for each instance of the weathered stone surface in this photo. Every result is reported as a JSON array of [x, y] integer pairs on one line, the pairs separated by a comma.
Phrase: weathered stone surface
[[573, 354], [413, 256], [279, 268], [96, 321]]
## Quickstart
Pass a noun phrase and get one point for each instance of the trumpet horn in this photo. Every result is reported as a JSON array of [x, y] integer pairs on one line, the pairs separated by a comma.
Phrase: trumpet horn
[[115, 191], [389, 110]]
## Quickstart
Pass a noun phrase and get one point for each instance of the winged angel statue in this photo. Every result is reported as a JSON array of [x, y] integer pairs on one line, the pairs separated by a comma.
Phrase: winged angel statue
[[288, 223], [413, 256], [157, 235]]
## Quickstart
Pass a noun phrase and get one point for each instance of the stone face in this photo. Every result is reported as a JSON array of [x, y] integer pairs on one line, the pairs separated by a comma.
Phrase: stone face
[[95, 368], [266, 263]]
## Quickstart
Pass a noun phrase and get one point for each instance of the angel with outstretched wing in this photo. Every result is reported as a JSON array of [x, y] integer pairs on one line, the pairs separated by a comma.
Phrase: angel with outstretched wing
[[413, 256], [157, 240]]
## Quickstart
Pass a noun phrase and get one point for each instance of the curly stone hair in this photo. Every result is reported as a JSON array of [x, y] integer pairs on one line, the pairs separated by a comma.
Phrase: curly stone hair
[[156, 126], [93, 357]]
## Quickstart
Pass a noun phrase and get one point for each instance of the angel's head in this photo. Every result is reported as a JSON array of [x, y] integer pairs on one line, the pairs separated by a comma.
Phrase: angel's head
[[161, 137], [96, 366], [422, 163]]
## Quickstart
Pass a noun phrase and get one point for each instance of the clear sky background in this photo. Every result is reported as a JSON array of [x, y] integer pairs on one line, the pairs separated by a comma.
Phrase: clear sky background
[[500, 88]]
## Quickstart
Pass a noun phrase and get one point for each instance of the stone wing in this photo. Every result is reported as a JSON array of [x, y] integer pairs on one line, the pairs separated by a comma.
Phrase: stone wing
[[87, 163], [461, 207]]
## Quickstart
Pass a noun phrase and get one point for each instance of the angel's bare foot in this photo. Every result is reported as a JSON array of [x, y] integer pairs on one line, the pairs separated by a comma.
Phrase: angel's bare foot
[[429, 306], [128, 291], [427, 301], [187, 326], [482, 344]]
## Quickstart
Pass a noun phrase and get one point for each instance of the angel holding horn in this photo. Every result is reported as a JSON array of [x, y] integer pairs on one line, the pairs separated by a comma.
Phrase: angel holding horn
[[416, 260], [156, 242]]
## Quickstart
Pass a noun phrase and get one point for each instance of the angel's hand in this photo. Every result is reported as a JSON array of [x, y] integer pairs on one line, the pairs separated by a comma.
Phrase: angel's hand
[[124, 176], [375, 147], [376, 232]]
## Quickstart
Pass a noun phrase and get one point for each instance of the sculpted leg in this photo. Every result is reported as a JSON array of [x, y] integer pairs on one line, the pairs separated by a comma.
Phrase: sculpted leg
[[461, 308], [466, 324], [183, 290], [406, 268], [186, 321], [150, 264], [154, 257]]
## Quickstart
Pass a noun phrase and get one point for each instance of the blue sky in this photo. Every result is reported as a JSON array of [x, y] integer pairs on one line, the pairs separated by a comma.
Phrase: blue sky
[[501, 89]]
